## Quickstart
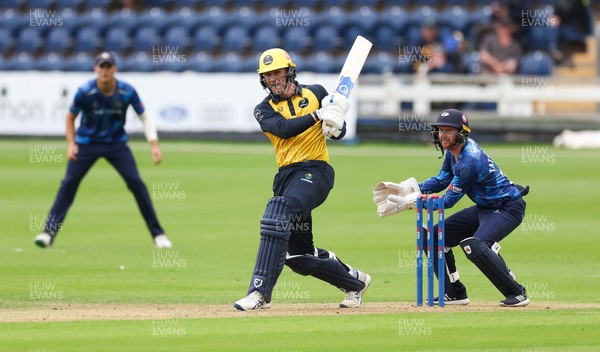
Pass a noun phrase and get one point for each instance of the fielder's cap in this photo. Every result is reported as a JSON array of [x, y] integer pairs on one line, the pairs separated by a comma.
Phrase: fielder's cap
[[106, 57], [453, 118]]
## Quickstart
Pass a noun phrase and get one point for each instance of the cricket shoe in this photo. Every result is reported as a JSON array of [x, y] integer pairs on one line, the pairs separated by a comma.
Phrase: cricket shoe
[[354, 298], [162, 242], [255, 300], [458, 300], [44, 240], [516, 300]]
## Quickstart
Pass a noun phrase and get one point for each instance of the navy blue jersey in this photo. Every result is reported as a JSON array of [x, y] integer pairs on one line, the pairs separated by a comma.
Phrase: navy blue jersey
[[103, 117], [474, 174]]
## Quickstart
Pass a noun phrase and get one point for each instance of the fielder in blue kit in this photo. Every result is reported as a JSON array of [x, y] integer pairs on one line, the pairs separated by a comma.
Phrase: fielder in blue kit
[[499, 208], [103, 104]]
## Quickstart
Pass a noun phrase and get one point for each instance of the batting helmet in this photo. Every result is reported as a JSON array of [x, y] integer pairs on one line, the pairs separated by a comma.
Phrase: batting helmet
[[452, 118]]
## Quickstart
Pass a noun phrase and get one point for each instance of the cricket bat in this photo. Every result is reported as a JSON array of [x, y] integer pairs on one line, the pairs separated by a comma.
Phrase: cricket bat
[[352, 66]]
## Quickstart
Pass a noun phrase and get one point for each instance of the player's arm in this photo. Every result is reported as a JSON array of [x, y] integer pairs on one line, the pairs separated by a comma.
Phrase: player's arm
[[458, 187], [149, 127], [70, 136], [439, 182], [277, 125]]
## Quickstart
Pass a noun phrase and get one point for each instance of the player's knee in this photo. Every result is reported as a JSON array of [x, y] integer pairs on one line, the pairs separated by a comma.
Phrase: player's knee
[[303, 265], [276, 219], [473, 247]]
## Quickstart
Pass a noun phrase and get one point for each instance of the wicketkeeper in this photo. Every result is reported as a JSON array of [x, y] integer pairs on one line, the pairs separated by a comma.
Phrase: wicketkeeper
[[293, 116], [499, 208], [103, 104]]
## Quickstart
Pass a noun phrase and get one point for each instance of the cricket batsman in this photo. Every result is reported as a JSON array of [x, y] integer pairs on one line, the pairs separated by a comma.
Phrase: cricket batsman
[[293, 117], [103, 104], [499, 208]]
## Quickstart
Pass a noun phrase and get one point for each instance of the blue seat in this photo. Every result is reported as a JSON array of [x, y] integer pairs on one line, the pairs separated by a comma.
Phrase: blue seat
[[265, 38], [230, 62], [215, 17], [72, 4], [453, 19], [138, 62], [176, 37], [100, 4], [536, 63], [365, 18], [413, 36], [94, 18], [471, 62], [81, 62], [11, 4], [145, 39], [235, 39], [251, 63], [58, 41], [29, 40], [422, 15], [480, 17], [296, 39], [380, 62], [321, 62], [205, 38], [87, 39], [11, 20], [154, 17], [395, 17], [50, 62], [156, 3], [40, 4], [124, 18], [540, 38], [201, 62], [330, 3], [70, 20], [3, 63], [186, 3], [117, 40], [334, 16], [184, 17], [386, 38], [243, 17], [326, 39], [20, 62], [6, 41]]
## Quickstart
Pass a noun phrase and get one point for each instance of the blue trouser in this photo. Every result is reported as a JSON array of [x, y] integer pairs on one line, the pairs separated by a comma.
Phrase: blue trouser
[[120, 157], [485, 224], [305, 186]]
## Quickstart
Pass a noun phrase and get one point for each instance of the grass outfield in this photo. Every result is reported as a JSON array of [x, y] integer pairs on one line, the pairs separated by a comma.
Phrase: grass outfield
[[209, 198]]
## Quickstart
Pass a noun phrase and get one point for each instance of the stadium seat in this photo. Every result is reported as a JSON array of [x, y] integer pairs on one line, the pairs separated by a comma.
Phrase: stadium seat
[[230, 62], [184, 17], [81, 62], [3, 64], [251, 63], [265, 38], [50, 62], [422, 15], [331, 3], [235, 39], [296, 39], [471, 62], [138, 62], [87, 39], [11, 20], [29, 40], [68, 4], [321, 62], [117, 40], [385, 38], [70, 20], [326, 39], [40, 4], [186, 3], [205, 38], [125, 19], [395, 17], [215, 17], [20, 62], [380, 62], [11, 4], [97, 4], [154, 17], [334, 16], [480, 17], [364, 17], [201, 62], [539, 38], [453, 19], [157, 3], [6, 42], [536, 63], [243, 17], [145, 39], [58, 41], [177, 37], [94, 18]]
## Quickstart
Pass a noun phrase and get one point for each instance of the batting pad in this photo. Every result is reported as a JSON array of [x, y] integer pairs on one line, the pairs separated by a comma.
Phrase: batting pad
[[274, 236], [491, 265]]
